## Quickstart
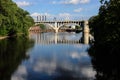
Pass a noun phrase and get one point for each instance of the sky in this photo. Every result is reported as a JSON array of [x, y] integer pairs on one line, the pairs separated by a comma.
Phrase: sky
[[61, 9]]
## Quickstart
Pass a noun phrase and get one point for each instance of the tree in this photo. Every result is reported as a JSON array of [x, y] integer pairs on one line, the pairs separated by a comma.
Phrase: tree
[[13, 20], [105, 51], [106, 24]]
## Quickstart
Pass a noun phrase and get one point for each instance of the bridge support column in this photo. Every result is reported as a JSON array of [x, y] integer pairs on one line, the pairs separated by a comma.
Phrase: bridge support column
[[56, 27], [86, 33], [56, 30]]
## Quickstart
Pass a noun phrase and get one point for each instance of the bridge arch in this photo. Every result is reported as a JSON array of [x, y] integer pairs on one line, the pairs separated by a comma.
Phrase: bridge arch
[[56, 25]]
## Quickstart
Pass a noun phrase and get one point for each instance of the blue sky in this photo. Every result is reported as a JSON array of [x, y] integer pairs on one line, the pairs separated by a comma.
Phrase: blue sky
[[61, 9]]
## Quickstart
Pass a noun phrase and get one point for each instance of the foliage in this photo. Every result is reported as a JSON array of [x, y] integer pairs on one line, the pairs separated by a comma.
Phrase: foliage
[[77, 27], [42, 26], [105, 51], [106, 25], [13, 19]]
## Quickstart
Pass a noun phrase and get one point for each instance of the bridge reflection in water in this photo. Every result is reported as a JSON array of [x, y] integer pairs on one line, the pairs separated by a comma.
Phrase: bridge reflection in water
[[56, 38]]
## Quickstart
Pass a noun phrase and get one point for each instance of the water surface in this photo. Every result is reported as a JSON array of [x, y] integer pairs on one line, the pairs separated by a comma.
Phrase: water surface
[[55, 57]]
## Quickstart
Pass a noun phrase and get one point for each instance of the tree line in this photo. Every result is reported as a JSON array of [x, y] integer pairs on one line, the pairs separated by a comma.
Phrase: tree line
[[13, 20], [106, 25], [106, 30]]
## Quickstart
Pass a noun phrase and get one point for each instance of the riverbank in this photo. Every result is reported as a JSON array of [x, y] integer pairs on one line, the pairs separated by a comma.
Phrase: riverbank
[[15, 35], [3, 37]]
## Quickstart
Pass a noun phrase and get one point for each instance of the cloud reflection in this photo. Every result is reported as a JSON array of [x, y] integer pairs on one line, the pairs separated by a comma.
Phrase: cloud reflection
[[88, 72], [54, 67], [76, 55], [20, 74], [58, 62], [45, 67]]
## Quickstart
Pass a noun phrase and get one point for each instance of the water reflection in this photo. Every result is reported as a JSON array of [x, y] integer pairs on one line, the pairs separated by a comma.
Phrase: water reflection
[[56, 61], [12, 52], [105, 61], [56, 38]]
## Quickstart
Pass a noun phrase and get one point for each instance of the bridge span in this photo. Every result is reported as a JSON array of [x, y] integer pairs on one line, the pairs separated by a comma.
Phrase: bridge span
[[56, 24]]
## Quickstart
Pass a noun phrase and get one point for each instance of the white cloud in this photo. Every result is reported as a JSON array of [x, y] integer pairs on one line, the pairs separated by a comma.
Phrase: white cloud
[[60, 16], [35, 14], [74, 2], [78, 10], [23, 3], [84, 1], [64, 16], [54, 2], [48, 15]]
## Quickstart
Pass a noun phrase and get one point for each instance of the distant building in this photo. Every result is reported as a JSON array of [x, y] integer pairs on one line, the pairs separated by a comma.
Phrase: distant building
[[41, 18]]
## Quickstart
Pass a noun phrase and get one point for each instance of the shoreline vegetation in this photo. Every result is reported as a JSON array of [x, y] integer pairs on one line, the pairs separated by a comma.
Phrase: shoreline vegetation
[[13, 20], [106, 49], [3, 37]]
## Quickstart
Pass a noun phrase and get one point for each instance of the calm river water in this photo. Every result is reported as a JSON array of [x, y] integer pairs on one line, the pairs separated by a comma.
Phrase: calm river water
[[45, 56]]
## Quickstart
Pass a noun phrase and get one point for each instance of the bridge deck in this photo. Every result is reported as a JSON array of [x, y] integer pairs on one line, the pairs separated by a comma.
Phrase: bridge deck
[[71, 21]]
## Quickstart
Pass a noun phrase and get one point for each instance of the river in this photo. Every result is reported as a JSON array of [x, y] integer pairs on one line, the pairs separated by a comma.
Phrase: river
[[46, 56]]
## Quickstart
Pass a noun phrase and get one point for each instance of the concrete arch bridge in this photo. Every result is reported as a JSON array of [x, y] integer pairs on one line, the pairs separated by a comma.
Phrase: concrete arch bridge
[[56, 25]]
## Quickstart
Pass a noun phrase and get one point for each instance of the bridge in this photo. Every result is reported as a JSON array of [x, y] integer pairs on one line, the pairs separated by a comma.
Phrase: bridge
[[56, 24]]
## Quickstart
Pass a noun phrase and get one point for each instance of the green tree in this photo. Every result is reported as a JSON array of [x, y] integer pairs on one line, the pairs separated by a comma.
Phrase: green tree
[[42, 26], [105, 51], [13, 19], [106, 25]]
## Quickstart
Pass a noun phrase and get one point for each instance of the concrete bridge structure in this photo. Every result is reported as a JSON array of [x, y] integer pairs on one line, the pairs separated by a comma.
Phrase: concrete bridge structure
[[56, 24]]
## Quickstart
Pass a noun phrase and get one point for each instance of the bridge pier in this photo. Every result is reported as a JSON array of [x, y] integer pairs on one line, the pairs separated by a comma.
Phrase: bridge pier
[[56, 27], [86, 33], [56, 30]]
